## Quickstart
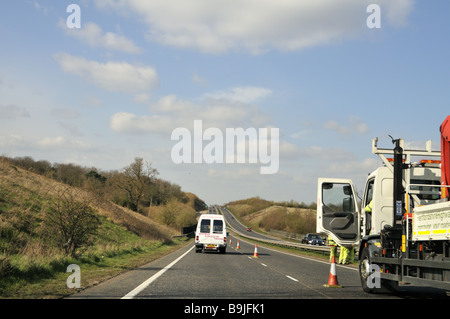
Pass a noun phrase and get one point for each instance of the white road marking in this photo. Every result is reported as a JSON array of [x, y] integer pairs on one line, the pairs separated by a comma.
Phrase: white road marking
[[146, 283], [303, 257], [291, 278]]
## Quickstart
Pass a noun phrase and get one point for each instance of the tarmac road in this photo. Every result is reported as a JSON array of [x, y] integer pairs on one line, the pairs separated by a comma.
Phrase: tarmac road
[[238, 275]]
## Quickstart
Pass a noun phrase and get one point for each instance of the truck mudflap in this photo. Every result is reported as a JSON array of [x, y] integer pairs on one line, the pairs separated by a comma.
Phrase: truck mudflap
[[372, 243]]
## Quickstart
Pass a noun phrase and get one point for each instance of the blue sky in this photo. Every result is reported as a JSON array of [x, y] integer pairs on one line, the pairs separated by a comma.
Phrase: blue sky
[[117, 87]]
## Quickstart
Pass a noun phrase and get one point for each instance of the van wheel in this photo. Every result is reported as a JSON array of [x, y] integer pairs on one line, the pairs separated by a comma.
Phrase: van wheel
[[198, 251], [222, 250], [386, 286]]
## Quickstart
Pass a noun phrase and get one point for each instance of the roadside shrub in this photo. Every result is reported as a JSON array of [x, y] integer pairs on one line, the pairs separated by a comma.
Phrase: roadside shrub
[[75, 223]]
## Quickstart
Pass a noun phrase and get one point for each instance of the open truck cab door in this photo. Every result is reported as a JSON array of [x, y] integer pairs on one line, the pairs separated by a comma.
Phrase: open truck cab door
[[338, 215]]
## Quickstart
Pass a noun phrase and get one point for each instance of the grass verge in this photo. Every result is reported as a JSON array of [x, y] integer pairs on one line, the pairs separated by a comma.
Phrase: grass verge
[[47, 280]]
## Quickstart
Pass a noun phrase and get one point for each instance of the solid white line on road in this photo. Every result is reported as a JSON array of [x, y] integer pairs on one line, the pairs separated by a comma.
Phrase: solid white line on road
[[146, 283], [291, 278]]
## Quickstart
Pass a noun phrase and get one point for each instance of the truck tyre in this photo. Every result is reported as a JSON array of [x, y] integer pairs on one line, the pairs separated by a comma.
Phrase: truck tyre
[[386, 286]]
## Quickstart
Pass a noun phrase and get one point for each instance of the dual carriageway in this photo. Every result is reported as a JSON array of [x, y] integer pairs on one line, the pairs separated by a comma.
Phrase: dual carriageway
[[237, 275]]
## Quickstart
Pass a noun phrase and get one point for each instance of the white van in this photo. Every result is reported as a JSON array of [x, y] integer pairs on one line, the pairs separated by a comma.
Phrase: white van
[[211, 233]]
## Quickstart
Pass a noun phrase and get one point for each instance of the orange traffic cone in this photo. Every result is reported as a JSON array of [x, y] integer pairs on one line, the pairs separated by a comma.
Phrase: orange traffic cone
[[230, 241], [237, 246], [332, 279], [255, 254]]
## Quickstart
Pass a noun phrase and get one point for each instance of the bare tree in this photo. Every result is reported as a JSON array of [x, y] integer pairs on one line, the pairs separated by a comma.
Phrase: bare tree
[[73, 221], [136, 178]]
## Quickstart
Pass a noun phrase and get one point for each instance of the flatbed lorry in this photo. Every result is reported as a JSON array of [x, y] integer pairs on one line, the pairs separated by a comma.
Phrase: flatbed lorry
[[403, 236]]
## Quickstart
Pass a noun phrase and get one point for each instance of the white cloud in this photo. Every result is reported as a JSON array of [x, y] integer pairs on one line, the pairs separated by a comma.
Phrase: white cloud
[[70, 129], [112, 76], [233, 173], [12, 111], [171, 112], [124, 122], [291, 152], [171, 103], [241, 94], [353, 166], [256, 25], [398, 11], [197, 79], [93, 101], [41, 8], [355, 126], [300, 134], [142, 98], [59, 142], [54, 143], [94, 36], [65, 113]]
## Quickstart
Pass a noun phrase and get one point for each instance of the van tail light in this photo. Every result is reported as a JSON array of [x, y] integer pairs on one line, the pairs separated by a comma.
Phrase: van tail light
[[196, 238], [225, 240]]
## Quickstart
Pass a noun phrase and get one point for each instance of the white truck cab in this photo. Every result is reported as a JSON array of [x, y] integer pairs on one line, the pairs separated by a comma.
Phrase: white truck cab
[[339, 216], [211, 233], [404, 239], [379, 190]]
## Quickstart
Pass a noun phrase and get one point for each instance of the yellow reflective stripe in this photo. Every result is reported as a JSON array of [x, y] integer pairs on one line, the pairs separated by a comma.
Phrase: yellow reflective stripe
[[428, 232], [439, 231]]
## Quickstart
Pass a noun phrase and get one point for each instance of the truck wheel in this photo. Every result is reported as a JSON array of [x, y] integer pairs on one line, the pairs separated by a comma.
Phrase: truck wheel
[[385, 286]]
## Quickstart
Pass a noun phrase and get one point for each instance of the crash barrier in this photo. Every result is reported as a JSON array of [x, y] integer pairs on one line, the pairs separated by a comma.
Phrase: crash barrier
[[189, 230], [285, 234], [324, 250]]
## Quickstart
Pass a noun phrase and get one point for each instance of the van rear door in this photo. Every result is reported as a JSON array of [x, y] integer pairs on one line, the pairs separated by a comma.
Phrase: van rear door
[[205, 226], [217, 226], [337, 210]]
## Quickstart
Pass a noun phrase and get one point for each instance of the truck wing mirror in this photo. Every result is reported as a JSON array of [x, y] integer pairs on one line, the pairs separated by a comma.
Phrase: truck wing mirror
[[348, 190], [327, 185]]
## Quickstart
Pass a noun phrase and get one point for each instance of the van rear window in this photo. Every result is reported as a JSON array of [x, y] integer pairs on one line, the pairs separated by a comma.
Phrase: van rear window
[[205, 225], [217, 226]]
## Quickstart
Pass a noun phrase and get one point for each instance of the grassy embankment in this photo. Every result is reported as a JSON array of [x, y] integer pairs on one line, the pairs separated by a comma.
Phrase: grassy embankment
[[284, 220], [32, 265], [265, 216]]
